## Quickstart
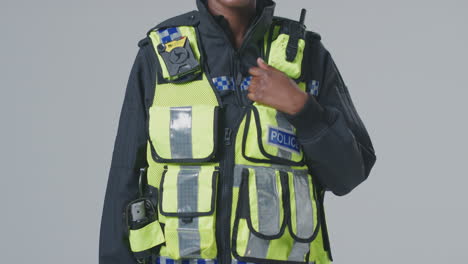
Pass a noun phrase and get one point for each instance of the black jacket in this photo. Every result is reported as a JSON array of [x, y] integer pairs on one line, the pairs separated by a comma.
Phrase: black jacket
[[337, 146]]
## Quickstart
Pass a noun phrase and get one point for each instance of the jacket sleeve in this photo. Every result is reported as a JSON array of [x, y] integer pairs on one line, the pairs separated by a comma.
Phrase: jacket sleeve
[[129, 154], [336, 144]]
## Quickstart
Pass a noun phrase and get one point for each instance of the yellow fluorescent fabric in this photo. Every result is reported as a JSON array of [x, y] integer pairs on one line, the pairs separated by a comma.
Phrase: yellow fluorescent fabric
[[147, 237], [206, 226], [278, 60], [302, 86], [169, 191], [280, 249], [172, 238], [205, 188], [292, 203], [251, 146], [253, 202], [317, 253], [314, 202], [268, 118], [183, 94], [202, 130], [242, 236], [159, 130]]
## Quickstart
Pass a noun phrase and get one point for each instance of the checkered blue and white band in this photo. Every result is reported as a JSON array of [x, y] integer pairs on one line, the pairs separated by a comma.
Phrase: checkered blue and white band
[[169, 34]]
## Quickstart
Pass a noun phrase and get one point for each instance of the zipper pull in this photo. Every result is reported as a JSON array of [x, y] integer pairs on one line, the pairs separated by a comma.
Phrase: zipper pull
[[227, 136]]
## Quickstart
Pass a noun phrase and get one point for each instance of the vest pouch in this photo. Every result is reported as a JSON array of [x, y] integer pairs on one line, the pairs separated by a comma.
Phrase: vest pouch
[[264, 193], [303, 216], [270, 138], [181, 134], [145, 238], [277, 57], [260, 230], [187, 200], [145, 234]]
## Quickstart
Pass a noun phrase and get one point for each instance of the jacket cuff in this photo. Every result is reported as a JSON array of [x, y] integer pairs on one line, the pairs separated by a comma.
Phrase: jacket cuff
[[310, 120]]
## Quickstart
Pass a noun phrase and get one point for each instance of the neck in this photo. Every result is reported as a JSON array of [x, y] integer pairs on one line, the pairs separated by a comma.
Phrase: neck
[[238, 18]]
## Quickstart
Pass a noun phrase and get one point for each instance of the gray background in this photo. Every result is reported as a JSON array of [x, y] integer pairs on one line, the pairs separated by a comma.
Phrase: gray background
[[63, 70]]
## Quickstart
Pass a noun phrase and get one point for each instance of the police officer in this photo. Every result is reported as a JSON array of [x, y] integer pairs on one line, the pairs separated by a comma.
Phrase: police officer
[[315, 104]]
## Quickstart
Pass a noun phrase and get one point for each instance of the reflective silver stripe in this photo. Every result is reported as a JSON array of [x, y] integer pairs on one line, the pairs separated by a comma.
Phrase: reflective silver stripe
[[187, 189], [298, 251], [165, 260], [284, 124], [235, 261], [256, 247], [189, 238], [162, 260], [304, 212], [181, 132], [187, 201], [238, 175], [267, 201]]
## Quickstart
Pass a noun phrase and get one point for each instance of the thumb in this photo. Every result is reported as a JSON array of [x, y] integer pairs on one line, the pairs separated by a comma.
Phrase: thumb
[[262, 64]]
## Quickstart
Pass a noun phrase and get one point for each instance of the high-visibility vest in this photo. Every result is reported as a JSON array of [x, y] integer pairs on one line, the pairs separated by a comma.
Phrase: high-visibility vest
[[275, 212]]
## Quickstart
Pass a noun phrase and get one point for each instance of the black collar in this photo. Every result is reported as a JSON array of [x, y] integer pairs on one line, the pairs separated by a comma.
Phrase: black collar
[[216, 26]]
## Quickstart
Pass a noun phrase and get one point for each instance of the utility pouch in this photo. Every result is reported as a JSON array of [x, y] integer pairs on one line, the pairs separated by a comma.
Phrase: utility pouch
[[268, 137], [303, 211], [187, 200], [276, 216], [141, 218], [287, 50], [144, 230], [278, 59], [264, 192], [183, 134]]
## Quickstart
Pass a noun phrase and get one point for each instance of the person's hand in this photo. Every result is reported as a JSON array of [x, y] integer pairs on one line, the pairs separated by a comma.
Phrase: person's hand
[[272, 87]]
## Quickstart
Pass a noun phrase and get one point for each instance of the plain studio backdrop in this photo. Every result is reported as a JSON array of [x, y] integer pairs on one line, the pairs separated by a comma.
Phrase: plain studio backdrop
[[63, 72]]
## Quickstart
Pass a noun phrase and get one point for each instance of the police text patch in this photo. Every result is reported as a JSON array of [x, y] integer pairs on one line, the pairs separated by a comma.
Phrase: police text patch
[[283, 139]]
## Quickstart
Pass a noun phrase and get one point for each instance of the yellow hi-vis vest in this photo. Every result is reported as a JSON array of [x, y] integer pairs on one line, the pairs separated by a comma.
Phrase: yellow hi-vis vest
[[275, 212]]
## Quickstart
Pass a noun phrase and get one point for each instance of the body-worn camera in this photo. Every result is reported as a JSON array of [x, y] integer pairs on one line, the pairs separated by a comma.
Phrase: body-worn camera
[[178, 57]]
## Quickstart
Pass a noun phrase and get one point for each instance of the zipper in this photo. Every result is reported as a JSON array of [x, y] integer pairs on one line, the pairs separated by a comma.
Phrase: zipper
[[237, 79], [234, 72], [227, 136], [226, 186], [227, 164]]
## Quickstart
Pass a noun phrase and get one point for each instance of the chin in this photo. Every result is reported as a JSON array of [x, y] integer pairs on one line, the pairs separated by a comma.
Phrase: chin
[[236, 3]]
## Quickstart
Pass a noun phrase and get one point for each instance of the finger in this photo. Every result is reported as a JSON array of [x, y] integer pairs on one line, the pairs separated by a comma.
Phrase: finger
[[262, 64], [256, 71], [252, 96], [254, 82]]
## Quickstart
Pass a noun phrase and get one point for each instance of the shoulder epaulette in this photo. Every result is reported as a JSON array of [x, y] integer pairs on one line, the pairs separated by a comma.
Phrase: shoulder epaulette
[[143, 42], [314, 35]]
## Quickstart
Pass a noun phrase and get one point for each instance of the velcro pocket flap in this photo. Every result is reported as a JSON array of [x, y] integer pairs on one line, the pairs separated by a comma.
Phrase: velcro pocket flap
[[147, 237], [269, 137], [188, 191], [183, 133]]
